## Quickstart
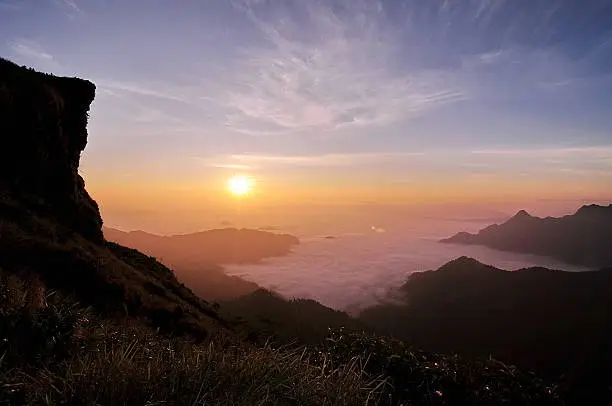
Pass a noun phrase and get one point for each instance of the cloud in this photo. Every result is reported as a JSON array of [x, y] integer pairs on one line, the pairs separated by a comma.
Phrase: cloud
[[595, 161], [152, 115], [604, 151], [229, 166], [70, 8], [72, 5], [30, 50], [113, 87], [321, 69], [10, 6], [323, 160]]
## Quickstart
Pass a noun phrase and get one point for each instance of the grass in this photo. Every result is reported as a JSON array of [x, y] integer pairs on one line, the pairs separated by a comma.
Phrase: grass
[[116, 280], [73, 357], [415, 377], [53, 351]]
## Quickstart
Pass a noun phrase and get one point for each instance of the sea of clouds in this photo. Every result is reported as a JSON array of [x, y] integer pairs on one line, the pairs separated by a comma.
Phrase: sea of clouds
[[354, 270]]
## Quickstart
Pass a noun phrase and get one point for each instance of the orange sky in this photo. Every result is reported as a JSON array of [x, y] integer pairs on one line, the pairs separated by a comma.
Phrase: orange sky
[[170, 205]]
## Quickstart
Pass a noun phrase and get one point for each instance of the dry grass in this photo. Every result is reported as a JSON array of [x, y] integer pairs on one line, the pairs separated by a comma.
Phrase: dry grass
[[55, 352], [77, 359]]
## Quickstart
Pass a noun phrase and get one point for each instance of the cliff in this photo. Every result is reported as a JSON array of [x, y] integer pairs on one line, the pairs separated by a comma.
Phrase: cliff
[[50, 227], [43, 127], [584, 238]]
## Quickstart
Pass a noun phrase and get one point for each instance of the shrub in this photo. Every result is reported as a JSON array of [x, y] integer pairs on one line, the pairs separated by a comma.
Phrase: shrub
[[419, 378]]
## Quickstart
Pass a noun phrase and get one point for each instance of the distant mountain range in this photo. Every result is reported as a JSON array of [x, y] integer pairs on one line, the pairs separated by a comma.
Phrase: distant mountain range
[[583, 238], [219, 246], [552, 322], [195, 257]]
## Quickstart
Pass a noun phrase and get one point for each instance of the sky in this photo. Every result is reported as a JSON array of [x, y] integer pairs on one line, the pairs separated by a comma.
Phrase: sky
[[339, 102]]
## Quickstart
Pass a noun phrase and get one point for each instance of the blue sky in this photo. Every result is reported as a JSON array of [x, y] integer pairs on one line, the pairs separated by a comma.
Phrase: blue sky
[[339, 91]]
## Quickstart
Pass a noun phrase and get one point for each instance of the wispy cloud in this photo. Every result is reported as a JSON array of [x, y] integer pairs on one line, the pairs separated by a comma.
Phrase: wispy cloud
[[492, 57], [604, 151], [10, 5], [591, 160], [148, 115], [326, 70], [31, 53], [584, 162], [113, 88], [70, 8], [72, 5], [245, 161], [230, 166], [30, 49]]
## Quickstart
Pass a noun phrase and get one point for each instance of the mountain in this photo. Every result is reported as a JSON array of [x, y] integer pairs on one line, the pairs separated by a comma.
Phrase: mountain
[[219, 246], [195, 257], [213, 283], [266, 314], [583, 238], [51, 229], [553, 322]]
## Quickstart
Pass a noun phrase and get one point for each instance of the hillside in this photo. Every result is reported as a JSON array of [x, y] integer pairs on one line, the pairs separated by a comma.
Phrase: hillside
[[264, 314], [583, 238], [195, 257], [213, 283], [553, 322]]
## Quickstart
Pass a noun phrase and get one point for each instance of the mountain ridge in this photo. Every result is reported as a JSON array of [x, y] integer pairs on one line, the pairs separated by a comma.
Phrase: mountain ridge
[[582, 238], [556, 323], [221, 246]]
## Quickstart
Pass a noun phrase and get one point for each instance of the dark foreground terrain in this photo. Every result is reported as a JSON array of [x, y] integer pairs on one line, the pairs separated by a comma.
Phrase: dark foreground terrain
[[553, 322]]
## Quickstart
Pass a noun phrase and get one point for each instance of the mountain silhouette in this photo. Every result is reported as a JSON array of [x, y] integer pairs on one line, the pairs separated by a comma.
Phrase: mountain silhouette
[[584, 238], [553, 322], [195, 257], [305, 321], [218, 246]]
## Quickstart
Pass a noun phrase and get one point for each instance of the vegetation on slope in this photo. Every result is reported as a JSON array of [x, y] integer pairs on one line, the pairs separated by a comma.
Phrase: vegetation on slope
[[212, 282], [264, 315], [56, 352], [116, 281], [555, 323]]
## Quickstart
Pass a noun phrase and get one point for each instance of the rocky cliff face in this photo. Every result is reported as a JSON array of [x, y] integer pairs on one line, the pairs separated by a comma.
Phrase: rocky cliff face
[[43, 130], [51, 229]]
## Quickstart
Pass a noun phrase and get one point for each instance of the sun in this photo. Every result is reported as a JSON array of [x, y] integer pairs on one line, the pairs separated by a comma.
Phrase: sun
[[240, 185]]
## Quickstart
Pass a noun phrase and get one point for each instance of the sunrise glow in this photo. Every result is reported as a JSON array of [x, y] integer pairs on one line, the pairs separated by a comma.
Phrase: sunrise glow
[[240, 185]]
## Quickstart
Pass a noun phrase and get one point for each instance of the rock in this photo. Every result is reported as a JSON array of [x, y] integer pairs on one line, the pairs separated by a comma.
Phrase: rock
[[43, 122]]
